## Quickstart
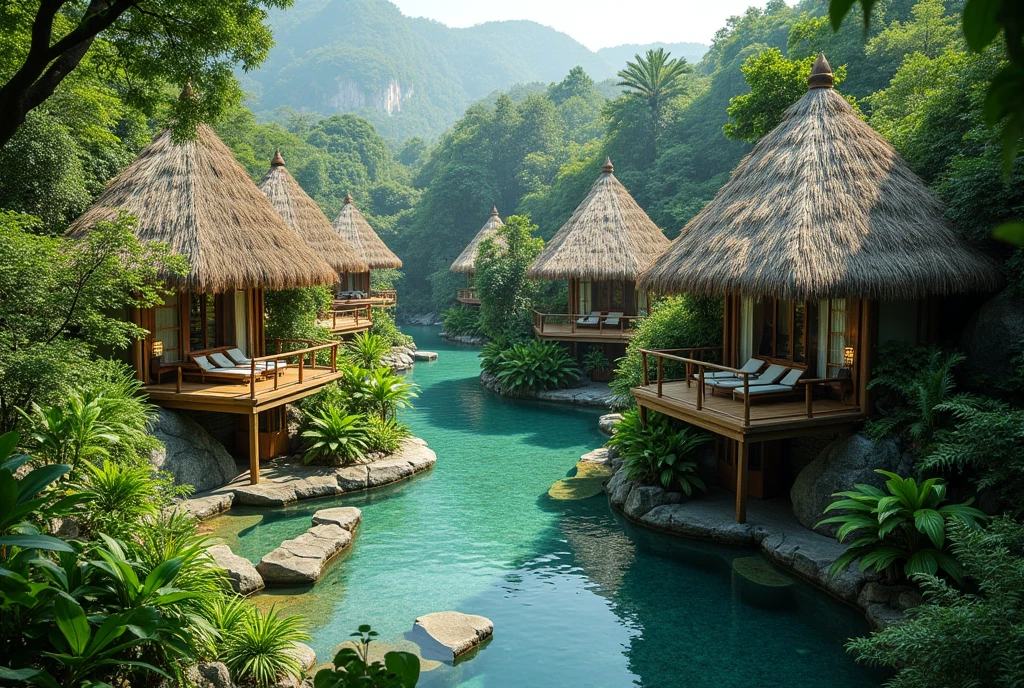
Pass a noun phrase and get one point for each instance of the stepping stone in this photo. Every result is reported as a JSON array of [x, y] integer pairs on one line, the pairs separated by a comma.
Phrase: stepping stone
[[266, 494], [424, 356], [576, 488], [342, 516], [302, 561], [606, 423], [242, 575], [600, 456], [591, 469], [203, 508], [761, 571], [447, 635]]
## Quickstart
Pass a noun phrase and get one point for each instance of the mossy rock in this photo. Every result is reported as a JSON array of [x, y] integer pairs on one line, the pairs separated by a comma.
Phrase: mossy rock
[[590, 469], [576, 488], [761, 571]]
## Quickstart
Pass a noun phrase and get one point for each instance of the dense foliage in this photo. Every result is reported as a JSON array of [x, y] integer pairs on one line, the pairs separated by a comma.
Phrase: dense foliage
[[506, 295], [462, 320], [353, 668], [530, 366], [660, 452]]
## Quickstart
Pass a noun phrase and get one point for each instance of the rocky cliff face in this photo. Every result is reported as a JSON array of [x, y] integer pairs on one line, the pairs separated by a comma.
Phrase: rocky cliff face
[[350, 96]]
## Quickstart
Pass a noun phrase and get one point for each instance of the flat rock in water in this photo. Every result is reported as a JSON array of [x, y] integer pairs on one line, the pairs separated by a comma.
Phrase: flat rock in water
[[343, 516], [601, 456], [447, 635], [266, 494], [242, 575], [590, 469], [206, 506], [424, 356], [761, 571], [607, 423], [576, 488], [301, 561]]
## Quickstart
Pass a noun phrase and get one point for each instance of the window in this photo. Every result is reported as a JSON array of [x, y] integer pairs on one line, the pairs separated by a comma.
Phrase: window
[[167, 328], [842, 333], [202, 323], [785, 330]]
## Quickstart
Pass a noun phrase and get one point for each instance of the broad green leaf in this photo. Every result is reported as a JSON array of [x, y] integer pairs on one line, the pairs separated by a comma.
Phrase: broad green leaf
[[45, 542], [74, 626], [38, 479], [931, 523], [8, 441], [1010, 232], [981, 22], [404, 665], [922, 561], [162, 575]]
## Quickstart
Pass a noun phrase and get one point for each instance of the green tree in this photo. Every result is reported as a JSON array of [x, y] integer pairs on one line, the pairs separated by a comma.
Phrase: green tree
[[576, 84], [506, 296], [656, 79], [776, 82], [148, 45], [930, 32]]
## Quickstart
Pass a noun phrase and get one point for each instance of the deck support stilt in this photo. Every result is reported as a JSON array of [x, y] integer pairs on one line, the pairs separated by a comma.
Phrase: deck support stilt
[[742, 458], [643, 415], [254, 449]]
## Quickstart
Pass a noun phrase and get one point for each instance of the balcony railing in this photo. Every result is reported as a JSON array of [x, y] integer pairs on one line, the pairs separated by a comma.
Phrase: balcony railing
[[386, 297], [354, 315], [578, 323], [669, 363], [467, 296]]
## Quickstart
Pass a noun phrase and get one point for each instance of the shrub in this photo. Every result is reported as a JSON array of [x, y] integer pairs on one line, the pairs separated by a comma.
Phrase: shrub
[[68, 434], [121, 497], [506, 295], [353, 669], [490, 355], [366, 349], [383, 393], [595, 360], [674, 323], [906, 526], [259, 648], [957, 639], [535, 366], [659, 452], [384, 327], [462, 320], [385, 435], [335, 437]]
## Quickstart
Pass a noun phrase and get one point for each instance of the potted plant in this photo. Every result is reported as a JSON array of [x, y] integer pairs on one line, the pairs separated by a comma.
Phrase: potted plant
[[597, 365]]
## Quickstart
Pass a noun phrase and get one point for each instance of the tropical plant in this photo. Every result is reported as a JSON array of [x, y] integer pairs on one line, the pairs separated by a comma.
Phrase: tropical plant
[[461, 320], [595, 360], [960, 639], [506, 295], [353, 668], [68, 434], [365, 350], [260, 648], [335, 437], [658, 452], [384, 327], [919, 411], [385, 435], [656, 78], [490, 355], [384, 392], [120, 497], [901, 529], [534, 366]]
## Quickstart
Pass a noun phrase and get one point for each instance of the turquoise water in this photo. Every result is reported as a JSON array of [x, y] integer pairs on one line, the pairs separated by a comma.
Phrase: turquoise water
[[578, 597]]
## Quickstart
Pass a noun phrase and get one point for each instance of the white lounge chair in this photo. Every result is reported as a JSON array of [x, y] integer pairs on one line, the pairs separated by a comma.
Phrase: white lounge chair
[[751, 366], [770, 376], [241, 359], [784, 387], [590, 321], [209, 370], [613, 319]]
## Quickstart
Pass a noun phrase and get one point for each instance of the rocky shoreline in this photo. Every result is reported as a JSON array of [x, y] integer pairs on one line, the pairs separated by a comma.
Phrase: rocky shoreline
[[594, 394], [469, 339]]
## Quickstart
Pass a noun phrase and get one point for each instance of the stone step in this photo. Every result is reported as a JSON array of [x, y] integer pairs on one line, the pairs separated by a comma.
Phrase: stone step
[[301, 561], [447, 635], [425, 356], [242, 575]]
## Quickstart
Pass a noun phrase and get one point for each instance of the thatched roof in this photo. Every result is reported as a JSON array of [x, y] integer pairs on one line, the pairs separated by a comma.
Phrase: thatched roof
[[609, 237], [301, 213], [822, 207], [354, 229], [466, 259], [196, 198]]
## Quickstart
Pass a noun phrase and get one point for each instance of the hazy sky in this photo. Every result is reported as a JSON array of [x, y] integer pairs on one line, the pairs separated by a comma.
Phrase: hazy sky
[[594, 23]]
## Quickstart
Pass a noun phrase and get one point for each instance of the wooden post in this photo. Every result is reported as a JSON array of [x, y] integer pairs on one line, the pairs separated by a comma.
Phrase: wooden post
[[742, 457], [809, 401], [746, 400], [643, 415], [643, 364], [178, 388], [252, 378], [254, 449], [660, 359], [700, 387], [334, 358], [302, 359]]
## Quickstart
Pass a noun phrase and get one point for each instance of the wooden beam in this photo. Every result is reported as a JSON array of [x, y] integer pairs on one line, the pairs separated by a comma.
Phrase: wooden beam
[[742, 458], [254, 449]]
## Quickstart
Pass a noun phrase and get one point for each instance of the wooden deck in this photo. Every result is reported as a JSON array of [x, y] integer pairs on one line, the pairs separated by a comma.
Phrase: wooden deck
[[768, 420], [565, 332], [467, 297], [346, 325], [237, 398]]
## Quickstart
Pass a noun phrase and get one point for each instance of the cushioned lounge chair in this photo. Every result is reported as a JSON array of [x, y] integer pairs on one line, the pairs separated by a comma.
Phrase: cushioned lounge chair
[[590, 321], [612, 320], [209, 370], [770, 376], [241, 359], [751, 366], [783, 388]]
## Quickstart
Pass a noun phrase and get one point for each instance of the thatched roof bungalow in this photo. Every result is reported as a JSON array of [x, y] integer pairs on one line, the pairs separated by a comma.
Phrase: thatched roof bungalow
[[824, 244], [602, 251], [354, 229], [466, 260], [302, 214]]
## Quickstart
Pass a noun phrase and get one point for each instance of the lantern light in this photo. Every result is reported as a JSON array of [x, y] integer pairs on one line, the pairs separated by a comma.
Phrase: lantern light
[[848, 356]]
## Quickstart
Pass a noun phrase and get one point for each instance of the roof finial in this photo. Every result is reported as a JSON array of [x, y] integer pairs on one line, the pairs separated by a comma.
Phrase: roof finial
[[278, 161], [821, 74], [494, 211], [348, 199], [608, 167]]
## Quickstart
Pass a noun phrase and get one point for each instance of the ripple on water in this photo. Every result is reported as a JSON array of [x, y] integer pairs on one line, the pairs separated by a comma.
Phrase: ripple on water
[[578, 598]]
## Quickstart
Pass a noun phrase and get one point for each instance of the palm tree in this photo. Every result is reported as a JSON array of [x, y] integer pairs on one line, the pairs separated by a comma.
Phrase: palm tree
[[656, 78]]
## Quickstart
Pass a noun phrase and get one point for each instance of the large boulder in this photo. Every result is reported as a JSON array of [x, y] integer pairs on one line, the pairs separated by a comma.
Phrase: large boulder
[[190, 454], [242, 575], [990, 337], [447, 635], [842, 464]]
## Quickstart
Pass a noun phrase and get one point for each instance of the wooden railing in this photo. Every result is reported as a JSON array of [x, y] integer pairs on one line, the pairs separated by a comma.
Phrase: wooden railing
[[388, 296], [690, 364], [360, 314], [625, 324], [309, 348], [466, 295]]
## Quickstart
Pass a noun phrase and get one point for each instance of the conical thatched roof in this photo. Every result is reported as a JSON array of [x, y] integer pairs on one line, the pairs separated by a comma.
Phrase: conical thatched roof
[[196, 198], [822, 207], [466, 259], [354, 229], [609, 237], [301, 213]]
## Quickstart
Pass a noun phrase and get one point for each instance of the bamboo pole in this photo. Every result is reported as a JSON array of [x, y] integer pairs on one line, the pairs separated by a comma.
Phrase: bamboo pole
[[742, 456], [254, 449]]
